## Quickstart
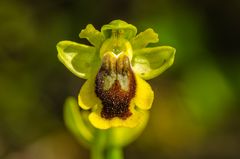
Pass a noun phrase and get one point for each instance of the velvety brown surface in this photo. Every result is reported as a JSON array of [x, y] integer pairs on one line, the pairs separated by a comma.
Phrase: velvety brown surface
[[116, 99]]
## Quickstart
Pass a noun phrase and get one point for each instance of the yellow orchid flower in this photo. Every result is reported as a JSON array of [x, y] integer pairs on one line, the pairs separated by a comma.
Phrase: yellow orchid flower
[[116, 67]]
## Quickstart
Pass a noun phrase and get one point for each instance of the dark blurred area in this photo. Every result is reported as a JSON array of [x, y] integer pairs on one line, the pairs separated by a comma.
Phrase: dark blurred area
[[196, 110]]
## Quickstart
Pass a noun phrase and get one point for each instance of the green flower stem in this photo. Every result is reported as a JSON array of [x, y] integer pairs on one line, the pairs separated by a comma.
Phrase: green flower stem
[[98, 146], [114, 153], [102, 147], [114, 150]]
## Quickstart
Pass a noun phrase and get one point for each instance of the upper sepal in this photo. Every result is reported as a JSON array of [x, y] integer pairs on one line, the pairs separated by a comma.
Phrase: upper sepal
[[151, 62], [78, 58], [129, 30]]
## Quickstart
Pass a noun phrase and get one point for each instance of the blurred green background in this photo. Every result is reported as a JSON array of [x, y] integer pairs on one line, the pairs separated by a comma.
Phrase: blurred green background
[[195, 114]]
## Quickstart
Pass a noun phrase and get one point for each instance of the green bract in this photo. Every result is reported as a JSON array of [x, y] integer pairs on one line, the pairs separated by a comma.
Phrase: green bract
[[147, 62]]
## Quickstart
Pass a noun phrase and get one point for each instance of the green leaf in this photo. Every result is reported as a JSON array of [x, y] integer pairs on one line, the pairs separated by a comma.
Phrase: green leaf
[[129, 30], [151, 62], [94, 36], [144, 38], [78, 58], [74, 120]]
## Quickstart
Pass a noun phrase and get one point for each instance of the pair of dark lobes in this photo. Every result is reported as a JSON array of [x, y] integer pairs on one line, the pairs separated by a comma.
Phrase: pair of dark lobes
[[115, 86]]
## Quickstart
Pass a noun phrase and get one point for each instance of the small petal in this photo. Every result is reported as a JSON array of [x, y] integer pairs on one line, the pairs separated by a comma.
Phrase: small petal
[[87, 98], [94, 36], [78, 58], [144, 94], [151, 62], [144, 38]]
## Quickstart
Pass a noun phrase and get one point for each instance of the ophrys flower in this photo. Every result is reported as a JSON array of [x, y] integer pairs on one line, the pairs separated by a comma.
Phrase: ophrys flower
[[116, 67]]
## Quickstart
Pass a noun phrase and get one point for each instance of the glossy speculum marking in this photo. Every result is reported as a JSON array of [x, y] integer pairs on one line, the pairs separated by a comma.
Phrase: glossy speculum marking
[[115, 86]]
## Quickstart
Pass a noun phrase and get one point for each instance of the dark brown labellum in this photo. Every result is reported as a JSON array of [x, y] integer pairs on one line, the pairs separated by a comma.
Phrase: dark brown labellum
[[115, 86]]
